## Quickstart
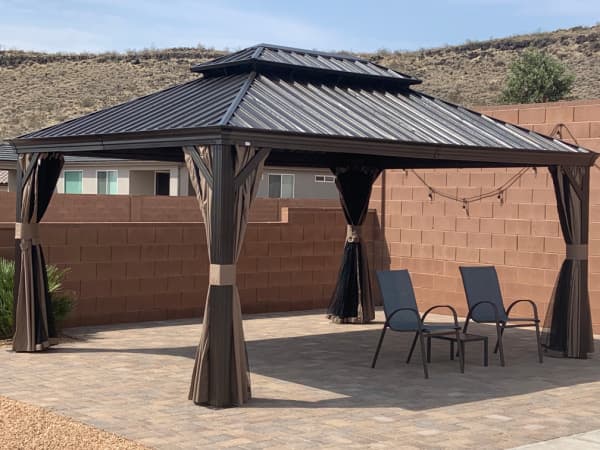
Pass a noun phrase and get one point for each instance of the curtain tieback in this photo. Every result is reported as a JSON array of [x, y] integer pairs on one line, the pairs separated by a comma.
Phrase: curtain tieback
[[222, 274], [577, 252], [25, 231], [352, 233]]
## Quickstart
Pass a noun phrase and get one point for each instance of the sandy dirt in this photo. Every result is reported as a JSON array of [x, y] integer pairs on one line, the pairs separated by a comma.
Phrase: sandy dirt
[[23, 426]]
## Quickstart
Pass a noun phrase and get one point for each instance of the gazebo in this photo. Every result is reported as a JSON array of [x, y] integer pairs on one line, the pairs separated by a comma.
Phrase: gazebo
[[272, 105]]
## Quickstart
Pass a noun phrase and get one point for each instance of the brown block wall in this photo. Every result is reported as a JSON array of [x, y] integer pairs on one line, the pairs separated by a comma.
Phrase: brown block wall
[[129, 208], [521, 237], [127, 272]]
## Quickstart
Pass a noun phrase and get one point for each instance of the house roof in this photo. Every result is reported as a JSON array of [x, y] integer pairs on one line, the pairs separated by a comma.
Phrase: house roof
[[294, 102]]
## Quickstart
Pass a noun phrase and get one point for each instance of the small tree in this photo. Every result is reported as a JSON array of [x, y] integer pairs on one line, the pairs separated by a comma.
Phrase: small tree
[[536, 77]]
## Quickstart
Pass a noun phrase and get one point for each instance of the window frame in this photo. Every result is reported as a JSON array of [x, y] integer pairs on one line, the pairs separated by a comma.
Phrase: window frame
[[326, 179], [280, 184], [65, 181], [107, 170]]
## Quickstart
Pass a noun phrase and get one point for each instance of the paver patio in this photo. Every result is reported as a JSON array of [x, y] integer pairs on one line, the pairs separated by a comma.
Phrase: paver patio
[[312, 387]]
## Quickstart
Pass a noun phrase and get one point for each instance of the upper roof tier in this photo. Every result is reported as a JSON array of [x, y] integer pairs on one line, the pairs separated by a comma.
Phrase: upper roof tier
[[273, 59]]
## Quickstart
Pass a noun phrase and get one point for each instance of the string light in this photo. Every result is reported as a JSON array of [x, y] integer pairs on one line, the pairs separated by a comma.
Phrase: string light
[[466, 201], [498, 192]]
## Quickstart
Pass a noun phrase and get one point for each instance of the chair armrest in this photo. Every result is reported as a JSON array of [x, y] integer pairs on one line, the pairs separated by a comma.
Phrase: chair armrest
[[485, 302], [524, 300], [442, 306], [414, 311]]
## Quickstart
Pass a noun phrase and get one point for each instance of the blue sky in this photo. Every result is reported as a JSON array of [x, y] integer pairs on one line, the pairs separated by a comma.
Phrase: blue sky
[[113, 25]]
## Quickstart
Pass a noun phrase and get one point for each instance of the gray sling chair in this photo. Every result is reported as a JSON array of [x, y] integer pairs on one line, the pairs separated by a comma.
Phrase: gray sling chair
[[484, 299], [402, 314]]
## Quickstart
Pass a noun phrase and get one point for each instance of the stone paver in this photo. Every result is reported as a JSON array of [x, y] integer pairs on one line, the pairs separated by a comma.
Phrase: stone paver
[[312, 387], [582, 441]]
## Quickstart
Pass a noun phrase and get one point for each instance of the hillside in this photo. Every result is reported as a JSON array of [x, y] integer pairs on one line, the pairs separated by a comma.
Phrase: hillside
[[38, 89]]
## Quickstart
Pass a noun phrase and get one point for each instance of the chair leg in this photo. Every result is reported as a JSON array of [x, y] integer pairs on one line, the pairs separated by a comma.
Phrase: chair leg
[[465, 327], [423, 355], [428, 349], [502, 334], [499, 342], [378, 346], [539, 343], [412, 347], [461, 352]]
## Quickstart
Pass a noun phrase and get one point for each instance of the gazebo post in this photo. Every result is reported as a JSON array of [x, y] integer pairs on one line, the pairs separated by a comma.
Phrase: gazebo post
[[351, 300], [34, 321], [568, 326], [17, 261], [225, 178]]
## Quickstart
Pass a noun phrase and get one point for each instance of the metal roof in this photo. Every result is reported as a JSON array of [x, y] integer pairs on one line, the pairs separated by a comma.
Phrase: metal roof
[[298, 111], [296, 59], [198, 103], [278, 104], [9, 154]]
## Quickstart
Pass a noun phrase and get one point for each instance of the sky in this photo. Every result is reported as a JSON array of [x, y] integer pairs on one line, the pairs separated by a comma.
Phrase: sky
[[121, 25]]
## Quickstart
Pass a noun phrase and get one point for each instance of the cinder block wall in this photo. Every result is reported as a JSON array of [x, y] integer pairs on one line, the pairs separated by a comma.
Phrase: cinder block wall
[[137, 208], [128, 272], [521, 237]]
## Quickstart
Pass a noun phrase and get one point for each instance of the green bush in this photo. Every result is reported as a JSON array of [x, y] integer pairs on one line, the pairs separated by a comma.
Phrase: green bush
[[537, 77], [62, 301]]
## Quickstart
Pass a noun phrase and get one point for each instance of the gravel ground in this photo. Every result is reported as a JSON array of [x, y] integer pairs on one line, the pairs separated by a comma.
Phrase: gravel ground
[[23, 426]]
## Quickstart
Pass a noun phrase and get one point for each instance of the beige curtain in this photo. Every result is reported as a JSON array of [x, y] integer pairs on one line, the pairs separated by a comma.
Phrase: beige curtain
[[221, 375], [34, 323]]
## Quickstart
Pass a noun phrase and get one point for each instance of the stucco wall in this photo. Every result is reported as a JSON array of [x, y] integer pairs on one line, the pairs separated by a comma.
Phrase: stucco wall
[[305, 186]]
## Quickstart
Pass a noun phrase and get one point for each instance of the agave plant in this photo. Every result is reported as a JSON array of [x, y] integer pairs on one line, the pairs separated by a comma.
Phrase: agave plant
[[62, 301]]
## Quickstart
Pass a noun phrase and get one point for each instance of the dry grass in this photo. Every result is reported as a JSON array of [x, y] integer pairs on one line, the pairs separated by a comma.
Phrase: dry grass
[[41, 89], [474, 73]]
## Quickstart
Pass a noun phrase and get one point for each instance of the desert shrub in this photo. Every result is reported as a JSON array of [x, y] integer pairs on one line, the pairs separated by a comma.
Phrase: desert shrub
[[62, 301], [536, 77]]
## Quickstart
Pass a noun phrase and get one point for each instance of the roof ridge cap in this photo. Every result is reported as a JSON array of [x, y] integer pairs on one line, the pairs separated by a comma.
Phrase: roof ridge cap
[[238, 99]]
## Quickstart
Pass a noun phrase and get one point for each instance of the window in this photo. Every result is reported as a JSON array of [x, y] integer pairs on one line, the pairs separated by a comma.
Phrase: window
[[281, 186], [162, 180], [73, 181], [324, 179], [107, 182]]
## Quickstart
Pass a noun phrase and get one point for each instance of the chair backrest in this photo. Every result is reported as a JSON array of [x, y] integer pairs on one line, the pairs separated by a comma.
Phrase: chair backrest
[[481, 284], [397, 292]]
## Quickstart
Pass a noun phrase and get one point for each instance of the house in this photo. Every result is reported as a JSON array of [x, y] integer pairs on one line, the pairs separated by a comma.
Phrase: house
[[82, 175]]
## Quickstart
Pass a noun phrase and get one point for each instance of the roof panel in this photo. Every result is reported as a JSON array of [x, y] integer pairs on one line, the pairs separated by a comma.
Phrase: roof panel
[[306, 59], [276, 100], [199, 103], [402, 115]]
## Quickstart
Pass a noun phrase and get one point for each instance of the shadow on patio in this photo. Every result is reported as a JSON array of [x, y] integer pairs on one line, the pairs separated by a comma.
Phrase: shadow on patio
[[332, 370]]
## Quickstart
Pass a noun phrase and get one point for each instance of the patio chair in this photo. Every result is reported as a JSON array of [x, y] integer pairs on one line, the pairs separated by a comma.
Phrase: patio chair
[[402, 315], [484, 299]]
